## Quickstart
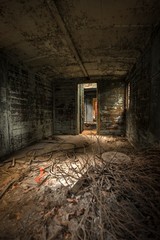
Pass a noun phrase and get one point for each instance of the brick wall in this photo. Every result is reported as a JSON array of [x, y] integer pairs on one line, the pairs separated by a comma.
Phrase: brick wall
[[26, 107], [155, 89], [4, 127], [111, 107], [65, 104], [143, 116]]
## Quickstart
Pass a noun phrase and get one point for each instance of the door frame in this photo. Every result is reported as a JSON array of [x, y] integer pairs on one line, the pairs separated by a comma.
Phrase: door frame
[[79, 94]]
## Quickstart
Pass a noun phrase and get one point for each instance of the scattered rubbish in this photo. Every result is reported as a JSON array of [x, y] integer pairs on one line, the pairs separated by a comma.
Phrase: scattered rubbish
[[40, 176], [91, 195]]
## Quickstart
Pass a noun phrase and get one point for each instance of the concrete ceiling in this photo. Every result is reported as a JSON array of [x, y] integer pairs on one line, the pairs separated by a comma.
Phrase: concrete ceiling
[[77, 38]]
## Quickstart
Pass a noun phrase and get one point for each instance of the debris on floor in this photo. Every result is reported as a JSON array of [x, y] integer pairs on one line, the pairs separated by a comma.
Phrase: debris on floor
[[81, 187]]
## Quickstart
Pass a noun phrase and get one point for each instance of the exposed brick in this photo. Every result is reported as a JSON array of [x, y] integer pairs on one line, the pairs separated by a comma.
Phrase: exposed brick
[[65, 120], [27, 102], [143, 116], [111, 107]]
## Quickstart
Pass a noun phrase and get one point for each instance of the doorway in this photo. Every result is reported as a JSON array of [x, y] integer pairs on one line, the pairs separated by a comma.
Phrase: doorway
[[87, 108]]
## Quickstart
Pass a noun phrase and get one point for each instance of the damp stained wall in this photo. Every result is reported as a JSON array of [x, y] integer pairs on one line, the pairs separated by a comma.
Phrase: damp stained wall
[[65, 105], [4, 127], [111, 107], [25, 107], [110, 104], [143, 115]]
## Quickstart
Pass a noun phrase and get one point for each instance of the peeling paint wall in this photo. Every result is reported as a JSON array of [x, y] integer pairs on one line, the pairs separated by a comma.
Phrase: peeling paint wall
[[65, 104], [111, 107], [143, 116], [4, 128], [25, 105]]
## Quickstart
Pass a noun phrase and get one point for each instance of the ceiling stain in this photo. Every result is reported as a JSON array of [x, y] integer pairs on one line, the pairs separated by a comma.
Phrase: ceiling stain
[[108, 36]]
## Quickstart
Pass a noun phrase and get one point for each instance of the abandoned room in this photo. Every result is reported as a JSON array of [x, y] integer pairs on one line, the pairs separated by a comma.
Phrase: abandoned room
[[79, 119]]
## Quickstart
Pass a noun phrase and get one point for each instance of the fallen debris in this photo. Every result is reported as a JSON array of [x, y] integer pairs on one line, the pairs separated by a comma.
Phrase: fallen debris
[[93, 196]]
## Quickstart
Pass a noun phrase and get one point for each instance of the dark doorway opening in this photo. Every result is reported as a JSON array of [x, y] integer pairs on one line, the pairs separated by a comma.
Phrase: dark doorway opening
[[87, 108]]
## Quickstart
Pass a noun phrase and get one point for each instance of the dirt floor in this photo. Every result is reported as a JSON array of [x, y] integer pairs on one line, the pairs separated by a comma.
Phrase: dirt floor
[[81, 187]]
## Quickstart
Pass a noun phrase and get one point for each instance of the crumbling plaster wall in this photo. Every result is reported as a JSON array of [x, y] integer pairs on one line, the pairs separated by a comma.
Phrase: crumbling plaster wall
[[111, 119], [111, 107], [65, 105], [25, 107], [143, 115]]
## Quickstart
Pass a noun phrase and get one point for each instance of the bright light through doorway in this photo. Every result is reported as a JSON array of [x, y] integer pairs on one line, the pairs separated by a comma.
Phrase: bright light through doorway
[[87, 108]]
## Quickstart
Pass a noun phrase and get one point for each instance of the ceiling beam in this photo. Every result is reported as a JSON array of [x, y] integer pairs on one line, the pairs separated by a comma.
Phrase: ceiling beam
[[56, 15]]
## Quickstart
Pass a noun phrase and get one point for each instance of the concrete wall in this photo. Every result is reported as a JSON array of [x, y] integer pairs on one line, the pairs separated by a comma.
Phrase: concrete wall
[[4, 106], [25, 107], [143, 116], [111, 107], [65, 104], [155, 88]]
